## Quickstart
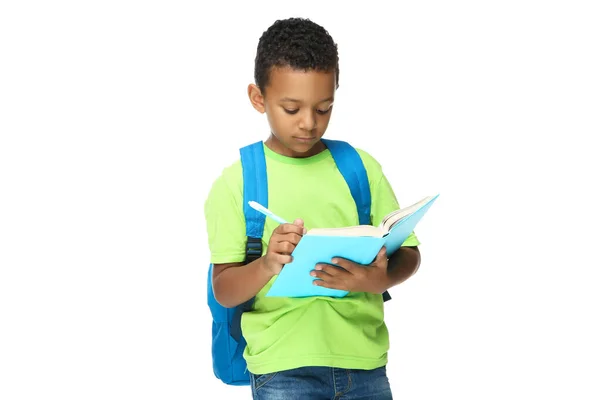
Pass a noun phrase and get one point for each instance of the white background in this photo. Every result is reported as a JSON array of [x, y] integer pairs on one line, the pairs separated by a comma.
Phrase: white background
[[106, 114]]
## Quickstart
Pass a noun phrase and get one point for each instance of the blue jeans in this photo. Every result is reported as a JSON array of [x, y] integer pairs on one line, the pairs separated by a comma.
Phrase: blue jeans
[[322, 383]]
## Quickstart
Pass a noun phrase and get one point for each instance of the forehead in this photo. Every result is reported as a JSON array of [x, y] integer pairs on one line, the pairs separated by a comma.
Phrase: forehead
[[307, 86]]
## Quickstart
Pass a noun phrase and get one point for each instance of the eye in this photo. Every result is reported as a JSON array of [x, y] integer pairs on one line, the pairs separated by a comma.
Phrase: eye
[[323, 112], [290, 111]]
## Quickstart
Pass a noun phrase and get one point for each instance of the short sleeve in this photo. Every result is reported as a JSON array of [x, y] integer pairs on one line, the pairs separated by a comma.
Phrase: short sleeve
[[225, 223], [383, 202], [383, 198]]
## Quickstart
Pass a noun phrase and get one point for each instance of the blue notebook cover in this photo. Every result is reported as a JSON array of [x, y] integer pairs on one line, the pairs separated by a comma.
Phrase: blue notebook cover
[[294, 280]]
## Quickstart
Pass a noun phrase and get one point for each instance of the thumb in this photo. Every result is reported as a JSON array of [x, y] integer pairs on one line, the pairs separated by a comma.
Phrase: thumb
[[382, 255]]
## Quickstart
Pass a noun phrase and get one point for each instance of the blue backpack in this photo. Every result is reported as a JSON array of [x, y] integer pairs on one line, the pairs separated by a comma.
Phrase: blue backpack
[[228, 344]]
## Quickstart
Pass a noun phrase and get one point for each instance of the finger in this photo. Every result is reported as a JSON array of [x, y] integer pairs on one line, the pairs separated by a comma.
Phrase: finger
[[284, 243], [283, 258], [322, 275], [381, 259], [293, 238], [289, 228], [300, 222], [331, 270], [346, 264], [282, 247], [330, 283]]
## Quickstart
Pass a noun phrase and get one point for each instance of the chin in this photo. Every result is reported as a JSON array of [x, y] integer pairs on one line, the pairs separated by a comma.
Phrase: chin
[[296, 147], [306, 149]]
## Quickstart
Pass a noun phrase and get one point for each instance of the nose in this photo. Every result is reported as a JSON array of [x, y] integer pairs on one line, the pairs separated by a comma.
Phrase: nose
[[308, 120]]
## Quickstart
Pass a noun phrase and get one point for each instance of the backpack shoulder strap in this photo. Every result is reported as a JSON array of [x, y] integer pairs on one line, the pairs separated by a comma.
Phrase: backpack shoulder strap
[[353, 170], [254, 170], [254, 175]]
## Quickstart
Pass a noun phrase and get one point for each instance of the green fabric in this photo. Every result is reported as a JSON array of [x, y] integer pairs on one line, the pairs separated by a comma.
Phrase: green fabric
[[285, 333]]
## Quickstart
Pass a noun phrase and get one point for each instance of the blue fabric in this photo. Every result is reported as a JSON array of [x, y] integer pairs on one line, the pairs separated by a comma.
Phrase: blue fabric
[[254, 169], [322, 383], [227, 341], [353, 170], [228, 363]]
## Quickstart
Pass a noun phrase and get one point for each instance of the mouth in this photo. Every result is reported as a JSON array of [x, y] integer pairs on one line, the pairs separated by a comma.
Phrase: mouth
[[304, 139]]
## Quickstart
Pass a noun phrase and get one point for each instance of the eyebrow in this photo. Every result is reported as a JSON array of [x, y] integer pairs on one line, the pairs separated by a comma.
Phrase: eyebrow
[[300, 101]]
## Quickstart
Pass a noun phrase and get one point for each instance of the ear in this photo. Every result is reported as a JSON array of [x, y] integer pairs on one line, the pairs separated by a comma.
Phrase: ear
[[256, 98]]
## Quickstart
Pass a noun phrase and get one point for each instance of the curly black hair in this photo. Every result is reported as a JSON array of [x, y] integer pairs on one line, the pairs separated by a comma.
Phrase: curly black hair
[[298, 43]]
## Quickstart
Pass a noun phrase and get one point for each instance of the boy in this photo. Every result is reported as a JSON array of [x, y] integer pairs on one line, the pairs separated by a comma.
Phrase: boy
[[319, 347]]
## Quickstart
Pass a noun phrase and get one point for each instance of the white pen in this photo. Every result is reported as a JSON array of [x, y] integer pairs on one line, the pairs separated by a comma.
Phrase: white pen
[[267, 212]]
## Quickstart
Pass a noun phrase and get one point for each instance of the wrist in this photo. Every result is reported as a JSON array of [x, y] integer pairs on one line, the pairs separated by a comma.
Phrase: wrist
[[264, 269]]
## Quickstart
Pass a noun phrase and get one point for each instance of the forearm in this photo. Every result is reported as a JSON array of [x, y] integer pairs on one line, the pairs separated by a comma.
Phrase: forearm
[[402, 265], [237, 284]]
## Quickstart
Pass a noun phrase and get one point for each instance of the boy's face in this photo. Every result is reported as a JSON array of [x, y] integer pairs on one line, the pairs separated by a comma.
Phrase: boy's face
[[298, 105]]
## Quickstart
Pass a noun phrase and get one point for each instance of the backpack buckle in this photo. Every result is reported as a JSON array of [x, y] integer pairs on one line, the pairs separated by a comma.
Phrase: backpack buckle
[[253, 249]]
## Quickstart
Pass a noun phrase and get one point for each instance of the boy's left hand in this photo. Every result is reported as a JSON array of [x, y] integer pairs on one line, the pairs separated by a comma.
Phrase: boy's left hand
[[353, 277]]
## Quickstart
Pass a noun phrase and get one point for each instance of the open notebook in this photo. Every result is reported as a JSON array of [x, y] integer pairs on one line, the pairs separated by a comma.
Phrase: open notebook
[[359, 243]]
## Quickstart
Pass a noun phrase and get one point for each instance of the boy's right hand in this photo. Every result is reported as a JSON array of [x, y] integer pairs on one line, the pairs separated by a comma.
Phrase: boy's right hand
[[282, 243]]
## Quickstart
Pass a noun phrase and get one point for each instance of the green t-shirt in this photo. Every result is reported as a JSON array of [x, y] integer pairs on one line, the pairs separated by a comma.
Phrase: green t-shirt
[[286, 333]]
